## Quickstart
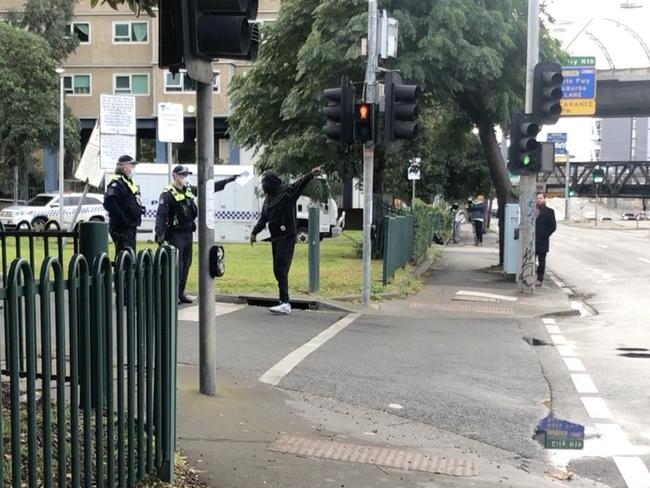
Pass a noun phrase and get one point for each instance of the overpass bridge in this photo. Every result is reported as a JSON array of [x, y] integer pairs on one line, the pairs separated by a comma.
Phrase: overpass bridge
[[623, 93], [623, 179]]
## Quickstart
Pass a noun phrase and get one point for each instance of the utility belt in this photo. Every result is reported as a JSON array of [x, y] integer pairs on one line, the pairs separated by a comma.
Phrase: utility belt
[[182, 227]]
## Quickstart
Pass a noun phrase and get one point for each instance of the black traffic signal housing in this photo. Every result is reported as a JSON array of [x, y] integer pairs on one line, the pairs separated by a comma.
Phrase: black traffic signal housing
[[523, 145], [598, 175], [547, 93], [170, 35], [340, 113], [364, 122], [400, 110]]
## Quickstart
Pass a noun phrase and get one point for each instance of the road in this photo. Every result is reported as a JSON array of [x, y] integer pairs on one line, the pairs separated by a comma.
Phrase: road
[[610, 271]]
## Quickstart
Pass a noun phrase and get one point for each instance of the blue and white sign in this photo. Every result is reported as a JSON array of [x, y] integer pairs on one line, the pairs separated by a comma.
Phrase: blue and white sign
[[579, 86], [559, 140]]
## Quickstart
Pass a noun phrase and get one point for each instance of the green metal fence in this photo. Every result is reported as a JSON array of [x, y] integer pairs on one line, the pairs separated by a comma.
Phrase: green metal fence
[[88, 393], [398, 244]]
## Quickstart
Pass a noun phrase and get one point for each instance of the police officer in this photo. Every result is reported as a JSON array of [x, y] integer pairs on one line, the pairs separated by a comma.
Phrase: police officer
[[123, 203], [175, 220]]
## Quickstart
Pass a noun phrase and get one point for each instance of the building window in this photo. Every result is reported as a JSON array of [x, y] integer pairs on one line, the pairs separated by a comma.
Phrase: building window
[[81, 30], [131, 84], [76, 84], [181, 83], [130, 32]]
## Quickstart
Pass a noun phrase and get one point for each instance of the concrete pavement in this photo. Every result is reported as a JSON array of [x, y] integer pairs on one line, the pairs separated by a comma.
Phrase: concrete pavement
[[480, 418]]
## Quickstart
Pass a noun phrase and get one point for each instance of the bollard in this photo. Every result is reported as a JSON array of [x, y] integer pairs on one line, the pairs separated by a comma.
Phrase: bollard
[[93, 242], [314, 249]]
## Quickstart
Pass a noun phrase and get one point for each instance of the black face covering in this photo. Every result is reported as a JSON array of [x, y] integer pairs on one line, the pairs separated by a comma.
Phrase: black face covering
[[271, 183]]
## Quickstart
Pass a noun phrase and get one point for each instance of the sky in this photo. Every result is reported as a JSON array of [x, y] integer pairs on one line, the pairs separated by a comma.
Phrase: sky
[[581, 25]]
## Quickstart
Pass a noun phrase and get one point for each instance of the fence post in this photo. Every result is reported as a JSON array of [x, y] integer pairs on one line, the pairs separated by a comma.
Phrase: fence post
[[314, 249], [93, 242]]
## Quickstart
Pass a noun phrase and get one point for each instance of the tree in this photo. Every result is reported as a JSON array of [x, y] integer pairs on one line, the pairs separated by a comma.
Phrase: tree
[[48, 19], [29, 98]]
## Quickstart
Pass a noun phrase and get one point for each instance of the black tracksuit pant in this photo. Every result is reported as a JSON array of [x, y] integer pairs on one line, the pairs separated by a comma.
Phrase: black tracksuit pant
[[183, 242], [541, 265], [282, 257]]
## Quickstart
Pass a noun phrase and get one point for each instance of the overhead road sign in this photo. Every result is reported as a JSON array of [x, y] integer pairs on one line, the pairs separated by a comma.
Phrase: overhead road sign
[[579, 86]]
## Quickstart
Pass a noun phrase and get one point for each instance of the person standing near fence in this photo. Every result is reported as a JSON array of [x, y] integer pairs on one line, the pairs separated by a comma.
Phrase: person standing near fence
[[478, 211], [176, 221], [123, 203], [279, 212]]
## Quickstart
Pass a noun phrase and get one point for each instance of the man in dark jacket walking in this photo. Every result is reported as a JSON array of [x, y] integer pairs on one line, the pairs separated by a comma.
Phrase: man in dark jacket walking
[[123, 203], [279, 212], [545, 225]]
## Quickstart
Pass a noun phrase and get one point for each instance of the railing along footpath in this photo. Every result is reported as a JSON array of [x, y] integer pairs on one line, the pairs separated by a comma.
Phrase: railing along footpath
[[88, 381]]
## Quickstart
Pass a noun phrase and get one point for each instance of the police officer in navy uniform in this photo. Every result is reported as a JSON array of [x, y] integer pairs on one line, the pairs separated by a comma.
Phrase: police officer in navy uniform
[[175, 220], [123, 203]]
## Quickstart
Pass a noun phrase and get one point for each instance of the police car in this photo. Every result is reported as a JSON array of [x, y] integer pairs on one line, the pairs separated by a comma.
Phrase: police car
[[45, 206]]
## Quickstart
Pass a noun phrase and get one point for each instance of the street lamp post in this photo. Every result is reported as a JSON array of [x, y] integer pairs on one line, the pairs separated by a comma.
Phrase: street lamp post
[[60, 72]]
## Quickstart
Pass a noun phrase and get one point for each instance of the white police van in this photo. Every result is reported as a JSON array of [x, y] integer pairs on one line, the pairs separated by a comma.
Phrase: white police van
[[45, 207]]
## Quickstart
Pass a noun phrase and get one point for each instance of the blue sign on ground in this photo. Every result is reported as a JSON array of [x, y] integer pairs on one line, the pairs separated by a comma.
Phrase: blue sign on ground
[[579, 82], [561, 434]]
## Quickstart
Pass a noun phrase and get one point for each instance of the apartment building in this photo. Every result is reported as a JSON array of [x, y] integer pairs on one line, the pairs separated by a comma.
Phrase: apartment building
[[118, 54]]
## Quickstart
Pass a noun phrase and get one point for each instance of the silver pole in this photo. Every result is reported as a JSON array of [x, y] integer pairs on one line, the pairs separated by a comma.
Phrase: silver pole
[[567, 202], [205, 163], [413, 195], [169, 161], [528, 183], [596, 208], [369, 151], [61, 147]]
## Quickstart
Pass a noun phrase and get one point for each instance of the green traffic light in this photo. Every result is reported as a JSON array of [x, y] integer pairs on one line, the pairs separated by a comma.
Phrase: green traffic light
[[526, 160]]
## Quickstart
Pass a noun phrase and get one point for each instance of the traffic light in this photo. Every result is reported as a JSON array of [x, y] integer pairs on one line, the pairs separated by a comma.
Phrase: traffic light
[[364, 122], [598, 175], [340, 112], [547, 93], [401, 110], [170, 35], [523, 145]]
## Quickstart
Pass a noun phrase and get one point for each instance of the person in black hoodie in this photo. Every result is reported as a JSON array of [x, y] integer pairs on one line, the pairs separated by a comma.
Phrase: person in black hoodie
[[279, 212]]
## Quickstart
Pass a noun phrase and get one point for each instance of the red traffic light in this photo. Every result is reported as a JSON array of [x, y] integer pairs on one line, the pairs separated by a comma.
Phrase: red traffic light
[[363, 112]]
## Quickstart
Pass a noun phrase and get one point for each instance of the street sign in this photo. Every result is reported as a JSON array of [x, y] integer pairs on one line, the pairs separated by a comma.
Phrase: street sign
[[559, 139], [561, 434], [414, 169], [170, 122], [579, 86]]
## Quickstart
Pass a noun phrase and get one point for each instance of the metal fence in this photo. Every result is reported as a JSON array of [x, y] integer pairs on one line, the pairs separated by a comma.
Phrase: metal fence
[[398, 244], [88, 393]]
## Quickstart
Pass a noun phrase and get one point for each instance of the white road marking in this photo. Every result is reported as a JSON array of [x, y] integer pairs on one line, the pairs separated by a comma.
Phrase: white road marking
[[614, 436], [634, 472], [643, 260], [191, 314], [573, 238], [558, 339], [548, 321], [274, 375], [566, 350], [596, 408], [574, 364], [632, 234], [553, 329], [603, 246], [584, 383]]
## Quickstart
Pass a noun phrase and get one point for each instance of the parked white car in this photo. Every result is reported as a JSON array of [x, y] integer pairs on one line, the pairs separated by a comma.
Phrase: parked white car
[[45, 206]]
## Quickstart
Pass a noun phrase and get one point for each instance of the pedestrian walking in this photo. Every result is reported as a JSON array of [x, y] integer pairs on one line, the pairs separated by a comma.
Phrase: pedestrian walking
[[123, 203], [279, 213], [478, 210], [176, 221], [545, 225]]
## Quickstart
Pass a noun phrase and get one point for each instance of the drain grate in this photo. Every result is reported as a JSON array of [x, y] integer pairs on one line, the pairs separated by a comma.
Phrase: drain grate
[[379, 456]]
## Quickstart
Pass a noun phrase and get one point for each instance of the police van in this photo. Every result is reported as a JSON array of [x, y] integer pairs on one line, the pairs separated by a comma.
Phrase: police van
[[45, 207]]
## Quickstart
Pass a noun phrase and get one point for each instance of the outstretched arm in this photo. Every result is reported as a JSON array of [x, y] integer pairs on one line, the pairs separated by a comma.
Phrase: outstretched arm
[[297, 187]]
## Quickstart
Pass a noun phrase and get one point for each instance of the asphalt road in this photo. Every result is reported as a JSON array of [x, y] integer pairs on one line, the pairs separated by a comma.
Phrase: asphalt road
[[610, 270]]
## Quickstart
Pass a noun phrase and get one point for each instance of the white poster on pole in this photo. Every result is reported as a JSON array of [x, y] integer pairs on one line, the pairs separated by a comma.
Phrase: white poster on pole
[[117, 114], [414, 169], [210, 203], [115, 145], [89, 168], [170, 122]]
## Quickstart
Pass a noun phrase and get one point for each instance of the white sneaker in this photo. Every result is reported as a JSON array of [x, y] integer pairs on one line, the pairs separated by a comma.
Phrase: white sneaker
[[282, 309]]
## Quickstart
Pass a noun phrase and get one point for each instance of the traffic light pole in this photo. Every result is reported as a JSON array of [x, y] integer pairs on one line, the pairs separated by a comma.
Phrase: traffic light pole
[[369, 150], [528, 182], [567, 194], [205, 160]]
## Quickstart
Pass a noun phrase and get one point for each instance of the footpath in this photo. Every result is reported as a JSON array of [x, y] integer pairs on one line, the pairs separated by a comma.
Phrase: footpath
[[256, 435]]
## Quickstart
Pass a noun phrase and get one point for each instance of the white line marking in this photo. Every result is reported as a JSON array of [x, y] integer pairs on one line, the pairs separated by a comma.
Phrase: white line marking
[[613, 435], [553, 329], [485, 295], [274, 375], [634, 472], [573, 238], [574, 364], [602, 246], [643, 260], [633, 235], [548, 321], [558, 340], [566, 350], [596, 408], [584, 383]]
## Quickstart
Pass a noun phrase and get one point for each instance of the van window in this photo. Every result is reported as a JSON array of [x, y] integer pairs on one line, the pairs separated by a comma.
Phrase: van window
[[71, 201], [39, 201]]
